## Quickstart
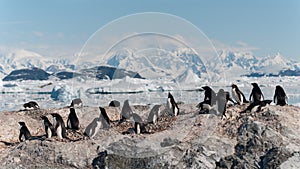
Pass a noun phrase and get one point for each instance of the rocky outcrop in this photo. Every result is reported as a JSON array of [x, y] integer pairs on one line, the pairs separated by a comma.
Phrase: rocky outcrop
[[266, 139]]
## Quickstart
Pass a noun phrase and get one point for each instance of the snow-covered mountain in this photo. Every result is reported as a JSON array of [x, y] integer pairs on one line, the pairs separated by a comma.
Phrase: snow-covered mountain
[[243, 63], [156, 63], [15, 59], [180, 64]]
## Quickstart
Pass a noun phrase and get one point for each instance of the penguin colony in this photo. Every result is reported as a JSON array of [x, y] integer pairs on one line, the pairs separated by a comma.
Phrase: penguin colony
[[213, 102]]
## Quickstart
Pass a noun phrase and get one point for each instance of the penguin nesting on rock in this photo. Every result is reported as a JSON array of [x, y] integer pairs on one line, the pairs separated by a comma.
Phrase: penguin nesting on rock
[[31, 105], [238, 95], [280, 97], [256, 94], [24, 132], [138, 125], [257, 106]]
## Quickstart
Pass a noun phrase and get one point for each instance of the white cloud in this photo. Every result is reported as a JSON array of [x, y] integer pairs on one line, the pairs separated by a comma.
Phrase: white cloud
[[38, 34]]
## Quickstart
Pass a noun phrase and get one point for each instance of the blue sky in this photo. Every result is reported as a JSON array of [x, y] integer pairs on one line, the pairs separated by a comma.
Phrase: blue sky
[[52, 27]]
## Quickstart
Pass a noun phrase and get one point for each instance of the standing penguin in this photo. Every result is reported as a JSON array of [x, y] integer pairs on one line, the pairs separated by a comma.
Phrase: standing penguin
[[92, 129], [209, 95], [280, 97], [72, 122], [256, 93], [101, 122], [59, 126], [24, 132], [126, 111], [209, 99], [139, 125], [49, 129], [238, 95], [221, 102], [172, 105], [154, 114], [104, 115]]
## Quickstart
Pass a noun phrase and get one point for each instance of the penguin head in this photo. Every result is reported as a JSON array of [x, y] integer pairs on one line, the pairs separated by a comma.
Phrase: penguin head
[[21, 123], [206, 88], [254, 84], [234, 86], [169, 95], [126, 102]]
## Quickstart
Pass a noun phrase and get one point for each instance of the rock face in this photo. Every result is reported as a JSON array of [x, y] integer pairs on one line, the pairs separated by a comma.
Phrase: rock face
[[266, 139]]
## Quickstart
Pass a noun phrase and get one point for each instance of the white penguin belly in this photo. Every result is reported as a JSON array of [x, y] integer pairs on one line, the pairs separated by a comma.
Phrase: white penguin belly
[[49, 132], [59, 132]]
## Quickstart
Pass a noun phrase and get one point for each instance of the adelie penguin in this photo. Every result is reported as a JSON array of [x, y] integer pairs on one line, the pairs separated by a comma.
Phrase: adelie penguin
[[73, 121], [154, 114], [31, 105], [210, 98], [126, 111], [221, 102], [256, 94], [172, 105], [104, 115], [257, 106], [238, 95], [139, 125], [101, 122], [280, 97], [59, 126], [49, 129], [24, 132]]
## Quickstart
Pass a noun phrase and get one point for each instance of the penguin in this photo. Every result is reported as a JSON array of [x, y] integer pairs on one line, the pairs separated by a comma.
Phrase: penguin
[[209, 95], [221, 102], [104, 115], [59, 126], [101, 122], [154, 114], [73, 122], [76, 102], [209, 100], [49, 129], [114, 103], [256, 93], [24, 132], [126, 111], [31, 105], [280, 97], [139, 125], [172, 105], [238, 95], [92, 129], [257, 106]]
